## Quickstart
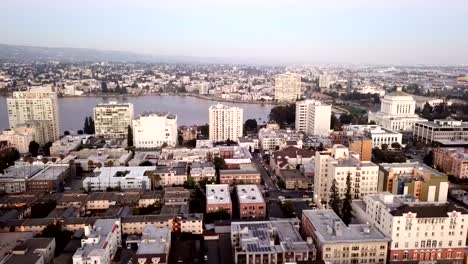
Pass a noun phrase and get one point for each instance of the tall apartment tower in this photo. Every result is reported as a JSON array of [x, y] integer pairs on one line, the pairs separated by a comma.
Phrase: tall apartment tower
[[38, 104], [225, 122], [112, 119], [287, 87], [313, 117]]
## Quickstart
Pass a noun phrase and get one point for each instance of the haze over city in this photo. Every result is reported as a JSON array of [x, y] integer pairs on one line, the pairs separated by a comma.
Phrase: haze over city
[[257, 31]]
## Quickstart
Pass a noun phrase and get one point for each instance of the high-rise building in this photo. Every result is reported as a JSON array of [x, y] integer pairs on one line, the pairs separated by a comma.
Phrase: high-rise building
[[336, 164], [325, 81], [111, 120], [288, 87], [155, 130], [39, 104], [313, 117], [225, 122], [396, 112]]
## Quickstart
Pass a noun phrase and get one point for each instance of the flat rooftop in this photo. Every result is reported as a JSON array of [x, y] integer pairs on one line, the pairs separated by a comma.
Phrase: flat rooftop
[[329, 228], [217, 194], [127, 172], [249, 193], [21, 172], [52, 172], [154, 240], [421, 167], [101, 228]]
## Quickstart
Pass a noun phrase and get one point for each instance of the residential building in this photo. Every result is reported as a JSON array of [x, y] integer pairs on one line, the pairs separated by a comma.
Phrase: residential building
[[122, 178], [452, 161], [218, 198], [376, 133], [421, 232], [111, 120], [336, 164], [178, 223], [240, 174], [154, 130], [313, 117], [202, 170], [154, 246], [274, 139], [17, 140], [170, 175], [39, 104], [288, 87], [65, 145], [362, 146], [89, 159], [225, 122], [447, 132], [325, 81], [415, 178], [41, 130], [338, 243], [289, 158], [176, 196], [251, 202], [296, 179], [396, 112], [275, 241], [19, 248], [100, 242]]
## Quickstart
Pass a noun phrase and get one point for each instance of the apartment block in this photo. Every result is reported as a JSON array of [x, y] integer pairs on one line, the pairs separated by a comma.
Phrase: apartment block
[[123, 178], [414, 178], [225, 122], [287, 87], [313, 117], [218, 198], [154, 246], [362, 146], [341, 244], [251, 202], [111, 120], [453, 161], [153, 130]]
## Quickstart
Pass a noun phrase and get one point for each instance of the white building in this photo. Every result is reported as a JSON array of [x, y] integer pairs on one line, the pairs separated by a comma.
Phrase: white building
[[325, 81], [39, 104], [313, 117], [100, 242], [396, 112], [420, 231], [154, 246], [218, 198], [111, 120], [445, 131], [288, 87], [271, 139], [376, 133], [336, 164], [155, 130], [119, 177], [225, 122], [65, 145]]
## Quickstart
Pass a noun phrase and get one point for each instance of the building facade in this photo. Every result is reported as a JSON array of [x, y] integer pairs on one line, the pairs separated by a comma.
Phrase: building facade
[[376, 133], [218, 198], [288, 87], [155, 130], [313, 117], [251, 202], [111, 120], [225, 122], [154, 246], [38, 104], [453, 161], [122, 178], [444, 131]]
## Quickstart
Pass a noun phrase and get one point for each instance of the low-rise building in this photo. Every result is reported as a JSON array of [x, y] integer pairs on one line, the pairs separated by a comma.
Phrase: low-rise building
[[421, 232], [447, 132], [453, 161], [415, 178], [89, 159], [186, 223], [22, 247], [100, 242], [362, 146], [154, 246], [201, 170], [276, 241], [376, 133], [169, 176], [289, 158], [123, 178], [251, 202], [176, 196], [153, 130], [338, 243], [242, 174], [65, 145], [272, 139], [296, 179], [218, 198]]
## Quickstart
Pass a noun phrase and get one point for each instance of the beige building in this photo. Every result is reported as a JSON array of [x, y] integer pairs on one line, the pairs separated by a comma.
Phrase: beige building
[[453, 161], [111, 120], [336, 164], [340, 244], [251, 202], [39, 104], [288, 87], [18, 140], [225, 122]]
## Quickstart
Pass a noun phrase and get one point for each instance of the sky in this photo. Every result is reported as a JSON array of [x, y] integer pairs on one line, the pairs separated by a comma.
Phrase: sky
[[289, 31]]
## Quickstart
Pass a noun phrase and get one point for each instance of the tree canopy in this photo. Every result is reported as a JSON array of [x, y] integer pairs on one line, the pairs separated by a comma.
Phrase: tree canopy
[[283, 114]]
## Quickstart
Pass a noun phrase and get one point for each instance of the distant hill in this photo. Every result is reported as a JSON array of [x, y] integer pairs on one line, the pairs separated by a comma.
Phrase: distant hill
[[30, 53]]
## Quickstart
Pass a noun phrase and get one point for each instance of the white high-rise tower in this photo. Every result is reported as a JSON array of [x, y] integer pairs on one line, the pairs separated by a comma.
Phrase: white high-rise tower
[[225, 122]]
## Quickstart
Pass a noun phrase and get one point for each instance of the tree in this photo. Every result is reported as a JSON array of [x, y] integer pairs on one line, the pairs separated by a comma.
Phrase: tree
[[46, 148], [384, 146], [204, 130], [80, 132], [346, 209], [335, 123], [145, 163], [164, 145], [33, 148], [334, 201], [346, 119], [250, 125], [86, 127], [92, 128], [429, 159], [62, 237], [129, 136], [396, 145], [66, 133], [104, 87], [427, 111], [288, 209], [283, 114]]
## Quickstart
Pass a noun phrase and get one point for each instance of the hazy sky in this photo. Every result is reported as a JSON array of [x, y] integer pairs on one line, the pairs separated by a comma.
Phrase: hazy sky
[[348, 31]]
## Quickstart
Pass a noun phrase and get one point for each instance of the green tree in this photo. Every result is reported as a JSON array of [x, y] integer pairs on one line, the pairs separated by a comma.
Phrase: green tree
[[335, 123], [204, 130], [396, 145], [288, 209], [104, 87], [250, 125], [427, 111], [145, 163], [346, 209], [346, 119], [384, 147], [46, 148], [86, 127], [92, 128], [429, 159], [33, 148], [283, 114], [334, 201], [62, 237], [129, 136], [66, 133]]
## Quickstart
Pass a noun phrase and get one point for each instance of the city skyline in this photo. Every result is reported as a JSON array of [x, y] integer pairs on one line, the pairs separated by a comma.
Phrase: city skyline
[[276, 32]]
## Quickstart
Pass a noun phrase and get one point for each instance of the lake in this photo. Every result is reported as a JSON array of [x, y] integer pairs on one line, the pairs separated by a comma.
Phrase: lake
[[189, 110]]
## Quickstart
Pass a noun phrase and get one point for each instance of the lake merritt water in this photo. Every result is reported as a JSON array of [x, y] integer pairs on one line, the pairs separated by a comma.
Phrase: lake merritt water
[[189, 110]]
